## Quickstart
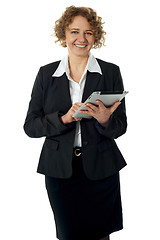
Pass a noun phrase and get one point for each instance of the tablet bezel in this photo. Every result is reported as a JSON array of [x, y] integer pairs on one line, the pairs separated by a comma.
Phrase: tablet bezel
[[105, 96]]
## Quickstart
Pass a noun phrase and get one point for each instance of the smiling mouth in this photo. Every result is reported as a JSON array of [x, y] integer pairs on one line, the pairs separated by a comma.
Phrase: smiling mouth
[[80, 46]]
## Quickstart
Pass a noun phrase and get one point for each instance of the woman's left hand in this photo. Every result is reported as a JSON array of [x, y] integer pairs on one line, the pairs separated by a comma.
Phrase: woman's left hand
[[100, 112]]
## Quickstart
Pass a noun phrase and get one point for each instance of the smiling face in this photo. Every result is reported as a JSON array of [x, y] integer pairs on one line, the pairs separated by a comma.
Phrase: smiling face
[[79, 37]]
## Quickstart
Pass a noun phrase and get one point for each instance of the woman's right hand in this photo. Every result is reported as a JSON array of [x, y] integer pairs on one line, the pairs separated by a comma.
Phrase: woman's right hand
[[67, 118]]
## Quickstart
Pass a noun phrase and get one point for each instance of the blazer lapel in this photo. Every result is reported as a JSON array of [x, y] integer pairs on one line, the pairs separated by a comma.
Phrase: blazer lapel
[[60, 91], [65, 90], [91, 85]]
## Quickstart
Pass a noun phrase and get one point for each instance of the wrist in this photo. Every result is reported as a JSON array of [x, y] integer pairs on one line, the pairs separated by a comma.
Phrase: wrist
[[105, 124], [64, 119]]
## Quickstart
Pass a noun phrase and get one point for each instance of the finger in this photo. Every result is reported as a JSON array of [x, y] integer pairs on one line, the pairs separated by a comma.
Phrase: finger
[[77, 119], [91, 107], [89, 112], [75, 107], [114, 107], [100, 103], [77, 104], [84, 111]]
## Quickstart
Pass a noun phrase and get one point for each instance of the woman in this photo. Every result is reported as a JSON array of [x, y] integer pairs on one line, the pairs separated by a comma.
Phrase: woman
[[79, 158]]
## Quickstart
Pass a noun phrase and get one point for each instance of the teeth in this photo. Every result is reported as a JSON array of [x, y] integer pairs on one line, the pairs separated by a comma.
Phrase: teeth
[[81, 46]]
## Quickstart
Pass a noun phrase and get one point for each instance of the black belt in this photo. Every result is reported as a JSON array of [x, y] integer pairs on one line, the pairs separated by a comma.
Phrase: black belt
[[77, 151]]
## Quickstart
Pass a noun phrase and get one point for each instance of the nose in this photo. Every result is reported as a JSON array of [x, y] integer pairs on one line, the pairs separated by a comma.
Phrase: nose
[[81, 38]]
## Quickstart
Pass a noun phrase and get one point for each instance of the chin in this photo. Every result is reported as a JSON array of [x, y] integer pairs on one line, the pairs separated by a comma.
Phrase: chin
[[81, 53]]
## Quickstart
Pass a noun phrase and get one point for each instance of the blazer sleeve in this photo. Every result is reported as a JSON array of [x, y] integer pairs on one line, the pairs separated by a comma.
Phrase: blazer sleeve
[[118, 121], [37, 123]]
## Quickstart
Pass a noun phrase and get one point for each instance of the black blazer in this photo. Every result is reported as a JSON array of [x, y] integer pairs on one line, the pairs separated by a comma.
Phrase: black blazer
[[51, 98]]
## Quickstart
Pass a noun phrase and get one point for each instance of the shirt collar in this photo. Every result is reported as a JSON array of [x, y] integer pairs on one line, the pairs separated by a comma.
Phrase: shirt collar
[[92, 66]]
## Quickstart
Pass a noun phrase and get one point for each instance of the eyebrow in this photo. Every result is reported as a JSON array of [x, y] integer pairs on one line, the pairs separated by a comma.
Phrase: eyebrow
[[79, 29]]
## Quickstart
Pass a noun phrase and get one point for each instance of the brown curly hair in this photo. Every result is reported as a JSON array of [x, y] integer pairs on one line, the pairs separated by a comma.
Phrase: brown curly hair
[[67, 17]]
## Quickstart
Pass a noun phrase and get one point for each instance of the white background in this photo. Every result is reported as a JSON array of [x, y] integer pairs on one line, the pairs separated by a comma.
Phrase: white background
[[132, 42]]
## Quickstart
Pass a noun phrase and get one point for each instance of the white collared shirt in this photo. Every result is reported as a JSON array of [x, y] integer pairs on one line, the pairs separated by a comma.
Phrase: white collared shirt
[[76, 89]]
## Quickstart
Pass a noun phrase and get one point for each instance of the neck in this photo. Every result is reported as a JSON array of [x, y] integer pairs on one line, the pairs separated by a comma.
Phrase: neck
[[77, 63]]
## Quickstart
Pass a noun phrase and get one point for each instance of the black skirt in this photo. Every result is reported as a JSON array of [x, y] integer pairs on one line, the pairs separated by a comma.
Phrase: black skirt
[[85, 209]]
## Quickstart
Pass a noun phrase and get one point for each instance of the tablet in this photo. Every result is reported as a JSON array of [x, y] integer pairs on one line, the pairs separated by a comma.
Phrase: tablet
[[108, 99]]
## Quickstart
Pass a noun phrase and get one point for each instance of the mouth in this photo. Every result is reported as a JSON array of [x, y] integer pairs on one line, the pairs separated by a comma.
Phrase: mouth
[[80, 46]]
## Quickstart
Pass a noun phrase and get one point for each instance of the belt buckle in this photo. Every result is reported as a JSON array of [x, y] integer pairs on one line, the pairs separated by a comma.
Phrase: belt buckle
[[77, 152]]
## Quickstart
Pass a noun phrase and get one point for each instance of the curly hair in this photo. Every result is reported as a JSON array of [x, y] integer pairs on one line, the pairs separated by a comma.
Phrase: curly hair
[[67, 17]]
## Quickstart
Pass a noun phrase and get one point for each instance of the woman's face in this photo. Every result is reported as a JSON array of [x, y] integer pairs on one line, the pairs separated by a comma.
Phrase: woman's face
[[79, 37]]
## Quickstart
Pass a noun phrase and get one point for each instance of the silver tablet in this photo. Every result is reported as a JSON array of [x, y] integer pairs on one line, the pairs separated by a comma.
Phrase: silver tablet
[[108, 99]]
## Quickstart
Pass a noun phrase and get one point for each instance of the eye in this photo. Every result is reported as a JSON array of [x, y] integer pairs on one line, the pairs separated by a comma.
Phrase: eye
[[89, 33], [74, 32]]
